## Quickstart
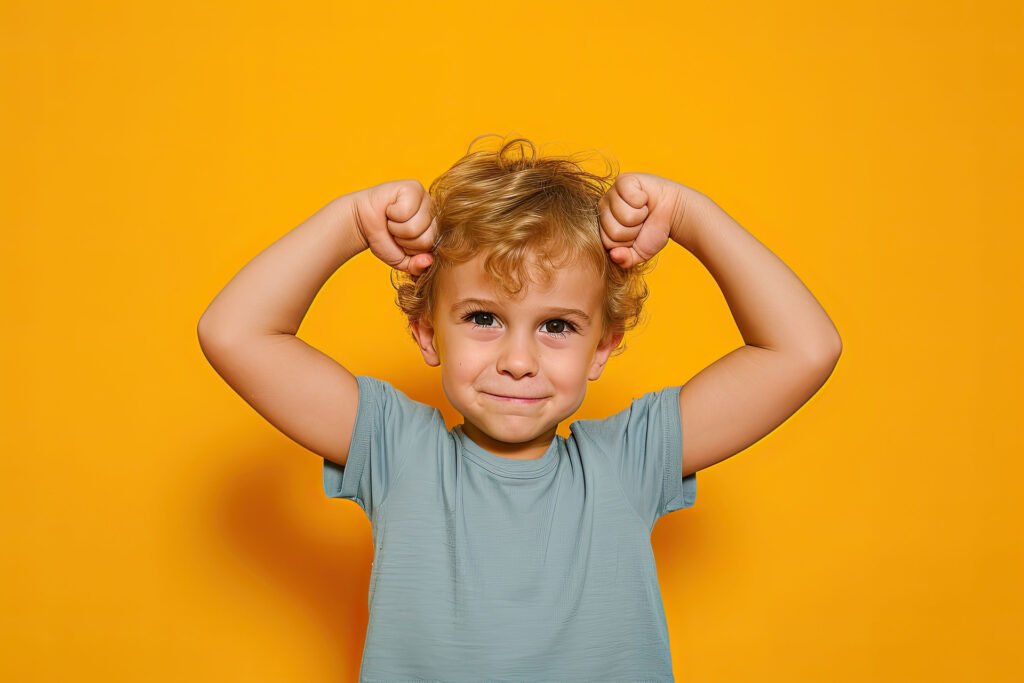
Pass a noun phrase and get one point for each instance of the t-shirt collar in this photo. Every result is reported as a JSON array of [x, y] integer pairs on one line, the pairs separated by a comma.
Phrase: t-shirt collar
[[508, 467]]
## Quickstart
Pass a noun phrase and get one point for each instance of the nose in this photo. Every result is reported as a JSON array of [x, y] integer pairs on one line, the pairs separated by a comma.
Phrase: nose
[[518, 355]]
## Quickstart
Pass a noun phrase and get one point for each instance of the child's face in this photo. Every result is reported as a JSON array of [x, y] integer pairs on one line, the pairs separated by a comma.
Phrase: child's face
[[522, 347]]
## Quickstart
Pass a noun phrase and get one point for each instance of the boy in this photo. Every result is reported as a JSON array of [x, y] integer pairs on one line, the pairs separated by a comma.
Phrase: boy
[[502, 550]]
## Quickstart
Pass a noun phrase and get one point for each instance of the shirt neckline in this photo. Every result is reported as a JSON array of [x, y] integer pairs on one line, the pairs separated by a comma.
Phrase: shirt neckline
[[508, 467]]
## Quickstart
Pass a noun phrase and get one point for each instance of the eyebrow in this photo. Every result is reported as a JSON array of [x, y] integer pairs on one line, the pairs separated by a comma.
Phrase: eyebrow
[[487, 303]]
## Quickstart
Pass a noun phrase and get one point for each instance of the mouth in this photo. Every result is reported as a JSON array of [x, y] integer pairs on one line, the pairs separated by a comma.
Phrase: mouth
[[515, 399]]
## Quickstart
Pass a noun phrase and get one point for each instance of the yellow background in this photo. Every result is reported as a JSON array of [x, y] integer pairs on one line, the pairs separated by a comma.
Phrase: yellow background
[[156, 528]]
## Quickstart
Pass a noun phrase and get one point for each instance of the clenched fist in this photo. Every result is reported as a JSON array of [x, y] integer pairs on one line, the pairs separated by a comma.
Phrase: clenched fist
[[637, 215], [395, 221]]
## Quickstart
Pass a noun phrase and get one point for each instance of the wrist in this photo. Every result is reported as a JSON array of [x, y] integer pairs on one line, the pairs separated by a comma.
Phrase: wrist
[[346, 211], [686, 218]]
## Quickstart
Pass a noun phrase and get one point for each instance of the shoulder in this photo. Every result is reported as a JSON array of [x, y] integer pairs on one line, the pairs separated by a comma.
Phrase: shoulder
[[386, 392], [642, 408]]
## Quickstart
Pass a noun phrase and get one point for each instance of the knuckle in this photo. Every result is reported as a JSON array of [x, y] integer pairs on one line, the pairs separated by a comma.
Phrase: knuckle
[[610, 243]]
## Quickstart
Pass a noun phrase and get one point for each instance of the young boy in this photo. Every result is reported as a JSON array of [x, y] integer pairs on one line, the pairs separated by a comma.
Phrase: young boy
[[502, 550]]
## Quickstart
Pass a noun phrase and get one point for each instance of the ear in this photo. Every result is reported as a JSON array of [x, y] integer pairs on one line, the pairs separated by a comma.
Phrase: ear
[[423, 333], [608, 344]]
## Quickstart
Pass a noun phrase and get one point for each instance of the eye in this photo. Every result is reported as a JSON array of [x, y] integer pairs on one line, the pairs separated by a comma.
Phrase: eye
[[563, 326], [473, 316]]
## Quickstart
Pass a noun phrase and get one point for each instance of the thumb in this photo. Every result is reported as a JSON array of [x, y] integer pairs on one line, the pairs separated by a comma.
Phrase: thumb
[[419, 263]]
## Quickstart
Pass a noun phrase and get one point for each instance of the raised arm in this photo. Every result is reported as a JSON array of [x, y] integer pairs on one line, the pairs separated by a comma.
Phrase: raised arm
[[247, 333], [791, 344]]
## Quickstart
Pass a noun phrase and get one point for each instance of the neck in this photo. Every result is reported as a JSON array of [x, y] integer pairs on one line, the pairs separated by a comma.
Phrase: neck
[[528, 450]]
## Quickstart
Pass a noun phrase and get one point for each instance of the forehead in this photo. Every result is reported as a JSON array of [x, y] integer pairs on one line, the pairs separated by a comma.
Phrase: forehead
[[573, 285]]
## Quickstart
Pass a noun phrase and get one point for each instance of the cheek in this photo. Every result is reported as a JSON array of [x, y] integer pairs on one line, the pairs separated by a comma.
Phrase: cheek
[[465, 357], [566, 368]]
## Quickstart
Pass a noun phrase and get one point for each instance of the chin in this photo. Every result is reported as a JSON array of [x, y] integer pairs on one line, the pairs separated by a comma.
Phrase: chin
[[507, 433]]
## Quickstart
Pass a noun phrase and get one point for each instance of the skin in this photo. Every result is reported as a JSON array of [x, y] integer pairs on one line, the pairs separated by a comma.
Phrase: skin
[[516, 347], [790, 345]]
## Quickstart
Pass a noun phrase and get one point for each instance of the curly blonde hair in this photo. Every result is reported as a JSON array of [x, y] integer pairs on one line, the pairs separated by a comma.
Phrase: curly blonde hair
[[522, 211]]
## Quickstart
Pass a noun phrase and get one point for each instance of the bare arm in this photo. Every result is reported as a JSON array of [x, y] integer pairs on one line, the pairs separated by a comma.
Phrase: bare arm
[[247, 333], [273, 292], [791, 344]]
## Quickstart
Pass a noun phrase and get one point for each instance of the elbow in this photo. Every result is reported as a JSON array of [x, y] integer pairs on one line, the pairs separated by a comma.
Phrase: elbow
[[208, 336], [826, 353], [202, 331], [835, 345], [819, 350]]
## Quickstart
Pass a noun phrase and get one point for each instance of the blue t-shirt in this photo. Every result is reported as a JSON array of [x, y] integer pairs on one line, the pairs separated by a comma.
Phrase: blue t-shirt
[[488, 568]]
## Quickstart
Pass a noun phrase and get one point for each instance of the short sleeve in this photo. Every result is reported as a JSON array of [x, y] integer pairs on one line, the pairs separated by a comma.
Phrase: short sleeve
[[390, 428], [645, 443]]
